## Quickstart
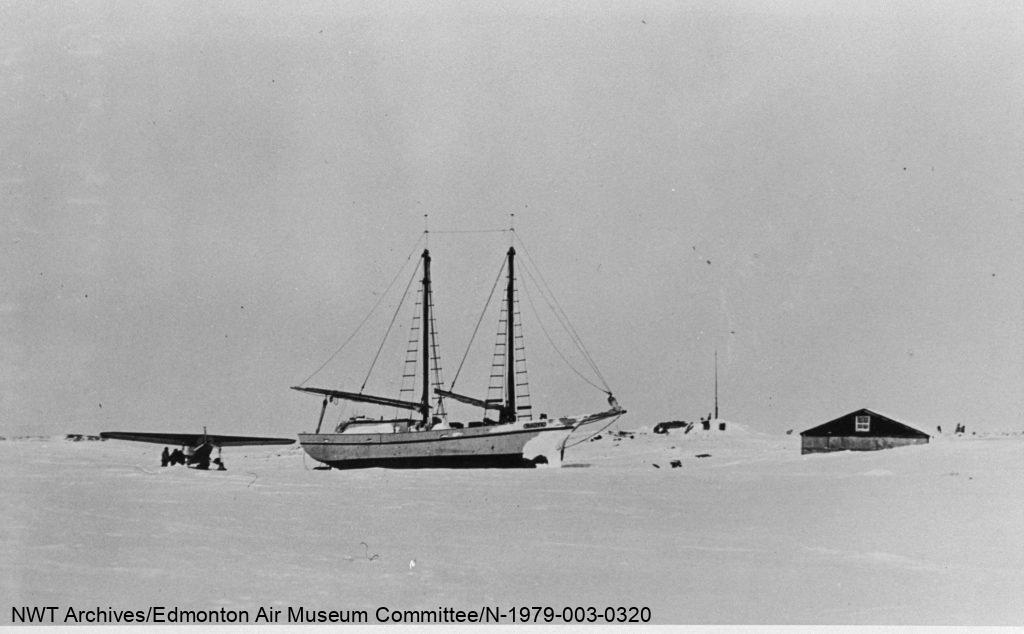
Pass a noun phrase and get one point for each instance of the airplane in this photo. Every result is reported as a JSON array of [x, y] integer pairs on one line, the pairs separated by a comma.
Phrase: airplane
[[196, 449]]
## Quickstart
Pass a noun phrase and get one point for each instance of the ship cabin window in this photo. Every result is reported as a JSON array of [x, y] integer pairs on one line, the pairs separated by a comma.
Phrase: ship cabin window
[[862, 423]]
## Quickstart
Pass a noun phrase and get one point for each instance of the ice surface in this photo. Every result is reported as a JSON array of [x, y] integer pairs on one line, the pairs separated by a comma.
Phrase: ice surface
[[753, 533]]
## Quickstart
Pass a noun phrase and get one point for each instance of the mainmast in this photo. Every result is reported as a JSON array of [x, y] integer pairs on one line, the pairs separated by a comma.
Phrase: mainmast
[[425, 325], [509, 412]]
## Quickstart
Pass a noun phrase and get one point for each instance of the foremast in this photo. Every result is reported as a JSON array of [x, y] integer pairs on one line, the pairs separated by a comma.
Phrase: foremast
[[506, 406]]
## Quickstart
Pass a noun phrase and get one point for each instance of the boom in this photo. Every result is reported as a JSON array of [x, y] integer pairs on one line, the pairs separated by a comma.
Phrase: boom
[[363, 398]]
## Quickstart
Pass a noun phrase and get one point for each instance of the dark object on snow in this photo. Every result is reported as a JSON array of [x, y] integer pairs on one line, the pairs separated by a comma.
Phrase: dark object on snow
[[939, 428], [703, 455], [220, 464], [862, 430], [706, 424], [200, 458], [165, 457], [597, 437], [177, 457], [655, 466], [721, 426], [77, 437], [662, 428], [789, 432], [676, 463]]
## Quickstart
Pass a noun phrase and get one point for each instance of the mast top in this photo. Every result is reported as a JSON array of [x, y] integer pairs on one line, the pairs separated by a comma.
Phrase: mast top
[[716, 384]]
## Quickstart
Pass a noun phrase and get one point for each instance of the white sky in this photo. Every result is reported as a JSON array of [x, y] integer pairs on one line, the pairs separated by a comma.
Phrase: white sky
[[201, 199]]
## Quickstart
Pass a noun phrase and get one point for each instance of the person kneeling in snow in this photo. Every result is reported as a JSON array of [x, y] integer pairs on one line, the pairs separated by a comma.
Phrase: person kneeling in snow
[[177, 457]]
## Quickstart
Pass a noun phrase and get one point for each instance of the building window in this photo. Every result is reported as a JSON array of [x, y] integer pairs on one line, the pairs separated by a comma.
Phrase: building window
[[863, 423]]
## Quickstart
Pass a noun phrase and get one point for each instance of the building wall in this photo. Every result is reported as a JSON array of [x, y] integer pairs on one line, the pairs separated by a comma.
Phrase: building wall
[[823, 444]]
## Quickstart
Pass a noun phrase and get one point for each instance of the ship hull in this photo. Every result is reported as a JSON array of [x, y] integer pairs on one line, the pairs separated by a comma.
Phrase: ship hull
[[496, 446], [512, 461]]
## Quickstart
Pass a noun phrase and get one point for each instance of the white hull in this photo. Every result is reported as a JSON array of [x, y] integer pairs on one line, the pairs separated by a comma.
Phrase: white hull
[[519, 444]]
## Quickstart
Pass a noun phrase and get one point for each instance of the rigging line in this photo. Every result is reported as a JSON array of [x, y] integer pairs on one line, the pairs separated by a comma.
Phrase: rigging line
[[405, 294], [557, 309], [567, 324], [564, 318], [583, 440], [540, 323], [472, 231], [367, 317], [487, 304], [547, 335]]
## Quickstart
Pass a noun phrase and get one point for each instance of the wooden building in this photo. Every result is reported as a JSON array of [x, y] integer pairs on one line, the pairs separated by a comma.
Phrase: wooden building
[[862, 430]]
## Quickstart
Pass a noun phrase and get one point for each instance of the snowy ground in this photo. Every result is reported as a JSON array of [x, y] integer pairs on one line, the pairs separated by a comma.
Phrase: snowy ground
[[754, 533]]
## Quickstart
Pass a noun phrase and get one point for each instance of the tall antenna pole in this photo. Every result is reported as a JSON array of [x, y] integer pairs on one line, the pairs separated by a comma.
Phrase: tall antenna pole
[[510, 340], [425, 325], [716, 384]]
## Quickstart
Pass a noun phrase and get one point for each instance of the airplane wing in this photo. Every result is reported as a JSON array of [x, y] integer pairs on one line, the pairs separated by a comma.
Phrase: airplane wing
[[241, 441], [191, 440]]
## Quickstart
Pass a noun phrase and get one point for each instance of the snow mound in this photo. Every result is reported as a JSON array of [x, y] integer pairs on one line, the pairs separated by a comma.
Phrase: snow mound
[[717, 429]]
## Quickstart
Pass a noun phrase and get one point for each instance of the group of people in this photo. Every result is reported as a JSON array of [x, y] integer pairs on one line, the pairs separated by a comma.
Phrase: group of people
[[171, 458], [196, 458]]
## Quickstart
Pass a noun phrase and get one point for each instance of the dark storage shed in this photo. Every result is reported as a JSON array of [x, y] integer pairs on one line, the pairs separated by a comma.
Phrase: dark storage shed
[[862, 430]]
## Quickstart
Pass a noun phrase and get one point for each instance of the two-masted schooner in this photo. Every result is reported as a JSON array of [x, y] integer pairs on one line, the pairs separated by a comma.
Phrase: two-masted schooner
[[427, 439]]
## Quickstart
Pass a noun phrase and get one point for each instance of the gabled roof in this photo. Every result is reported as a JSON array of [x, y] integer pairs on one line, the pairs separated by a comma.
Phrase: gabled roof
[[880, 426]]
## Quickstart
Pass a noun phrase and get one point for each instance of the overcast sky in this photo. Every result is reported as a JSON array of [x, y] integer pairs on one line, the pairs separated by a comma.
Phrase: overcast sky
[[201, 201]]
